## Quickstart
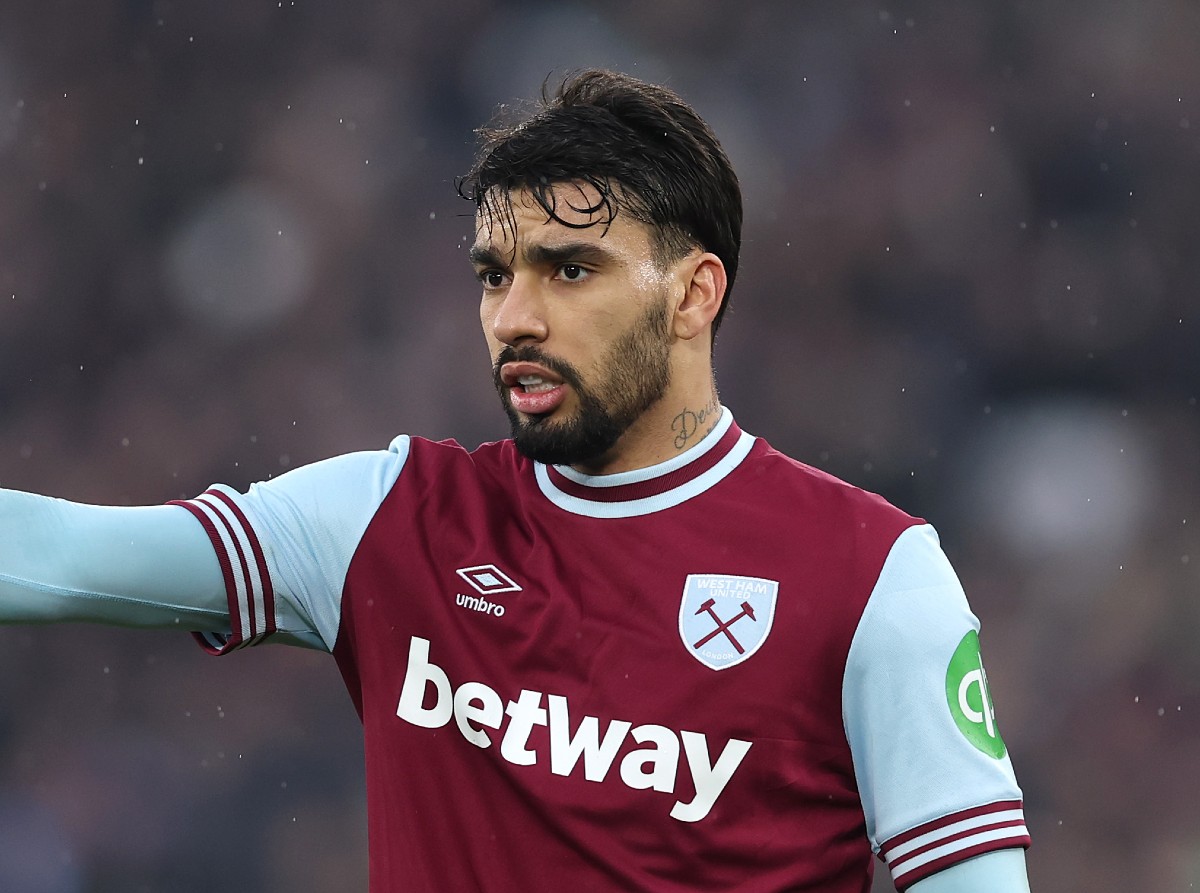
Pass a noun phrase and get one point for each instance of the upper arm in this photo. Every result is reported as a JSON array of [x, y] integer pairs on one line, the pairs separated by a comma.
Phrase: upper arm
[[934, 775], [1000, 871], [285, 545]]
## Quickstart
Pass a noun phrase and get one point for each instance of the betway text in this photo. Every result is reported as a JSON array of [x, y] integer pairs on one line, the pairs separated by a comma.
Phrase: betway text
[[480, 713]]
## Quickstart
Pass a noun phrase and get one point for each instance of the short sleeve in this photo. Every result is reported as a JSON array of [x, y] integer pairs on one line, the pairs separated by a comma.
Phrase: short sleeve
[[934, 775], [286, 544]]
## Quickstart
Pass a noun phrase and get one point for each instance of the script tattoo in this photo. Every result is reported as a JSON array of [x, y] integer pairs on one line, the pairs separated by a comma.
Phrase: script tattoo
[[687, 423]]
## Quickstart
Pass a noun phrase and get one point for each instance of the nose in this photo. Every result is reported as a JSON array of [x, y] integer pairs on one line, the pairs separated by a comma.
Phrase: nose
[[520, 314]]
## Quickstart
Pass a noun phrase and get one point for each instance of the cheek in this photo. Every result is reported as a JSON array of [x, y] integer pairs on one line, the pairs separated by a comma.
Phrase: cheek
[[494, 346], [487, 321]]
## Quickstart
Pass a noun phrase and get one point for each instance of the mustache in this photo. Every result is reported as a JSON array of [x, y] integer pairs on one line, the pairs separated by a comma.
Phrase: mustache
[[529, 353]]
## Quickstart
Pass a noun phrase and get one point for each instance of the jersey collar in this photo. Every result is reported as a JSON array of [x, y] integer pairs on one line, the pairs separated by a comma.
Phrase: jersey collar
[[651, 489]]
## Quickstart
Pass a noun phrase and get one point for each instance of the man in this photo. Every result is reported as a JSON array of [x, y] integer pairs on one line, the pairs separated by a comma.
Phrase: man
[[633, 647]]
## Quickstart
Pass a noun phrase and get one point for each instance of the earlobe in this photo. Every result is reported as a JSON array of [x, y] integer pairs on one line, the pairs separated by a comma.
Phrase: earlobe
[[704, 290]]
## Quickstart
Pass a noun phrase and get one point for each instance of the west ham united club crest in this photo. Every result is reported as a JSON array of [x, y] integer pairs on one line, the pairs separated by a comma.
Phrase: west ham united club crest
[[724, 619]]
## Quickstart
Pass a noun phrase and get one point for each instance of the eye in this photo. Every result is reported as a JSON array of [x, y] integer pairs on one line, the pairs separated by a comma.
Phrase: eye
[[492, 279], [573, 272]]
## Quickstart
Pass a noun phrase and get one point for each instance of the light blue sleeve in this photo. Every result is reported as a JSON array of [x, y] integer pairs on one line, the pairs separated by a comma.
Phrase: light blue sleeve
[[1002, 871], [267, 565], [285, 546], [934, 775], [146, 566]]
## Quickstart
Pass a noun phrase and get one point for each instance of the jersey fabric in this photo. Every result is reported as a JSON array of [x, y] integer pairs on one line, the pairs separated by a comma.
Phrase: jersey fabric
[[726, 672]]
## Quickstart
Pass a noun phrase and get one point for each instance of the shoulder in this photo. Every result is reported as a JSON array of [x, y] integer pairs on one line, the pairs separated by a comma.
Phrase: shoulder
[[859, 522], [427, 456], [450, 450], [823, 488], [365, 478]]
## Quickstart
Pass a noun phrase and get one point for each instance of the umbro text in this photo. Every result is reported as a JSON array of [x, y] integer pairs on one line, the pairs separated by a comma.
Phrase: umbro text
[[479, 603], [477, 708]]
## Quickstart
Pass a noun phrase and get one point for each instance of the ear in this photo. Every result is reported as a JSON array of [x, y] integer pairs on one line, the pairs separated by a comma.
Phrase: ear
[[704, 283]]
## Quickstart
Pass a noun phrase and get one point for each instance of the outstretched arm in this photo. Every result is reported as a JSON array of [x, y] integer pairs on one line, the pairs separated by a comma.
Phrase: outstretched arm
[[143, 566]]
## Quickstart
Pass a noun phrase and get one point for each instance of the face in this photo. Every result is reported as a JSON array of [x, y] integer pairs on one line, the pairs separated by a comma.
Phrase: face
[[577, 320]]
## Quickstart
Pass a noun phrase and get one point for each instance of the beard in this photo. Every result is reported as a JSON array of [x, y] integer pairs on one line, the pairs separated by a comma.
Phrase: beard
[[636, 373]]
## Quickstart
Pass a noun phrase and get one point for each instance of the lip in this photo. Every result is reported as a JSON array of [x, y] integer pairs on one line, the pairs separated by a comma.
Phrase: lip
[[511, 372], [535, 403]]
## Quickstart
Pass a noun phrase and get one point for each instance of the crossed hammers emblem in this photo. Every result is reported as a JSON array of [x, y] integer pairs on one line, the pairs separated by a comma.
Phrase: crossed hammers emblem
[[723, 626]]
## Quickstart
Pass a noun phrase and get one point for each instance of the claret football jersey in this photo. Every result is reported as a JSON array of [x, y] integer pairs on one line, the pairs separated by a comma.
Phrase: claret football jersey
[[726, 672]]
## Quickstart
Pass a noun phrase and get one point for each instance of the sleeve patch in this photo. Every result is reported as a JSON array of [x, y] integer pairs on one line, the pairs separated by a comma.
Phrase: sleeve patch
[[969, 699]]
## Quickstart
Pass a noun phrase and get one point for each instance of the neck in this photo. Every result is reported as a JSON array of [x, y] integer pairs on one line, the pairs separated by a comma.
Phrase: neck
[[673, 425]]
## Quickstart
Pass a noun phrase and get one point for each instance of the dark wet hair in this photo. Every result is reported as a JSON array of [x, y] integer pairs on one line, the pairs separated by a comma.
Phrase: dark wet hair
[[644, 150]]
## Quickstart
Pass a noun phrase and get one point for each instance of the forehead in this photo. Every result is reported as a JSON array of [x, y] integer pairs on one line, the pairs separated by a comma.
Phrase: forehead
[[580, 212]]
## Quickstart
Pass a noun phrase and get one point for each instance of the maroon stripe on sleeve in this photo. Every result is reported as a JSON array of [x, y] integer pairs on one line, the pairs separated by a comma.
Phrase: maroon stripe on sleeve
[[251, 614], [898, 864], [235, 621], [904, 880], [998, 806], [260, 560], [955, 844]]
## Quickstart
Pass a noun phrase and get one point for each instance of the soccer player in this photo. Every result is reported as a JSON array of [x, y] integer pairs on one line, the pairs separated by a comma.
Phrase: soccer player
[[633, 647]]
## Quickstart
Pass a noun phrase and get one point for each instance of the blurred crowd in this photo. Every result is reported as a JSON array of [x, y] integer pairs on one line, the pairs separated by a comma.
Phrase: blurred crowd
[[230, 244]]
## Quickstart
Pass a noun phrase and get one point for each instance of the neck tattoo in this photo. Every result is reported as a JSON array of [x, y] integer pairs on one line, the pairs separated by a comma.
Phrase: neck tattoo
[[691, 421]]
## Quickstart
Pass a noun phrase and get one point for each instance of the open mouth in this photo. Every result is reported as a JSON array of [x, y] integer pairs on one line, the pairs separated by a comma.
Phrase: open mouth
[[532, 388]]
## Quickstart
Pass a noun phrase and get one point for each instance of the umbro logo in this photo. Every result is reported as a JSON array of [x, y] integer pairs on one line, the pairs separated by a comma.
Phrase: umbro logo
[[486, 579]]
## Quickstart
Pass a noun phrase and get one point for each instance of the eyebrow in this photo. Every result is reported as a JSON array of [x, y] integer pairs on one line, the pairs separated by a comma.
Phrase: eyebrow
[[546, 255], [569, 252], [485, 256]]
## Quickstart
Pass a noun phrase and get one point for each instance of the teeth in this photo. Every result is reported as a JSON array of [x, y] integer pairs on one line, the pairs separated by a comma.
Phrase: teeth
[[535, 384]]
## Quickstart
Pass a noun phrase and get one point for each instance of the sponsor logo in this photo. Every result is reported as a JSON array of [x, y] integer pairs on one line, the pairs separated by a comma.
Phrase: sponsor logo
[[969, 699], [487, 579], [724, 619], [430, 700]]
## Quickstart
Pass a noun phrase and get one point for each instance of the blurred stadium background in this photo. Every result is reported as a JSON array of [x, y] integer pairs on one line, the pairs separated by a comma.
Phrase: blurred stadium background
[[230, 244]]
